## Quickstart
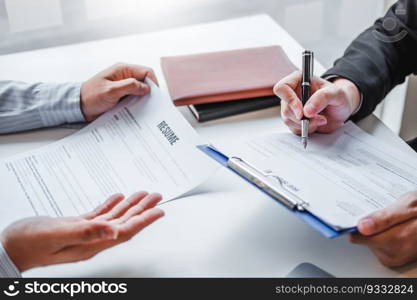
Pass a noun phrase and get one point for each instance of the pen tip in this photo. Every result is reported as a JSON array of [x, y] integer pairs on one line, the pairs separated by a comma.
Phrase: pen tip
[[305, 143]]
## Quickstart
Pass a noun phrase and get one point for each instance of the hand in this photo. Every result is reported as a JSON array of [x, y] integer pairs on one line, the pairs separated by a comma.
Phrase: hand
[[391, 233], [102, 92], [329, 106], [41, 241]]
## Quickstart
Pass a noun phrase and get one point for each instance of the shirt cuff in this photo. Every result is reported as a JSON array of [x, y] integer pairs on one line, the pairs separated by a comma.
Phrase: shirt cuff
[[7, 267], [63, 103], [330, 77]]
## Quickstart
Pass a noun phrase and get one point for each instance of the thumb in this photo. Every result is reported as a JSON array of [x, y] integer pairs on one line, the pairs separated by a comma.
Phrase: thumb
[[320, 99], [87, 231], [402, 210], [129, 86]]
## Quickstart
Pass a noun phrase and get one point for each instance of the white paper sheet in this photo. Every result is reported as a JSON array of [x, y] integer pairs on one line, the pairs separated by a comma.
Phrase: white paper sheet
[[343, 176], [142, 144]]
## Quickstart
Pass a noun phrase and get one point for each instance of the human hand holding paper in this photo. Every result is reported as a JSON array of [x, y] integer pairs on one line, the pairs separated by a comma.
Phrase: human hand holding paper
[[103, 91], [391, 233]]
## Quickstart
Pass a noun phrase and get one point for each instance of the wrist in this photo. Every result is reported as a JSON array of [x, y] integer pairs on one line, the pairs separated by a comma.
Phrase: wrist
[[351, 91], [84, 103]]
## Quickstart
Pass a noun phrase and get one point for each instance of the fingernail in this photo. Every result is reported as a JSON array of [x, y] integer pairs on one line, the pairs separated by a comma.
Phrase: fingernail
[[144, 86], [108, 233], [309, 109], [366, 225], [322, 122]]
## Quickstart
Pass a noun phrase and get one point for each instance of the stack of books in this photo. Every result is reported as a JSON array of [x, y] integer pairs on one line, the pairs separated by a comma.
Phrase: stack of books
[[221, 84]]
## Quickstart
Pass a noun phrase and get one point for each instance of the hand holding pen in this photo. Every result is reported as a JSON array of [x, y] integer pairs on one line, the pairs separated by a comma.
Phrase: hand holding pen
[[329, 105]]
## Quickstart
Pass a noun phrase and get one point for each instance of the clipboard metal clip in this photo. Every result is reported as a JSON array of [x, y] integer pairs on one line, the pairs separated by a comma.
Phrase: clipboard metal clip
[[271, 184]]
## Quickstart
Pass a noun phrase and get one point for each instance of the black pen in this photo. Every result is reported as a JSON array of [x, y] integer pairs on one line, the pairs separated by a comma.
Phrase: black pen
[[308, 61]]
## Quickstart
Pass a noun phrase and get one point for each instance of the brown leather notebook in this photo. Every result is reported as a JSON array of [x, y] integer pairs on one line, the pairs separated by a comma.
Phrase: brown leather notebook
[[225, 75]]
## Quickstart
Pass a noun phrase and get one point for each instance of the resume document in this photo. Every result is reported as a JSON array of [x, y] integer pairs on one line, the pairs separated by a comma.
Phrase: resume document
[[142, 144]]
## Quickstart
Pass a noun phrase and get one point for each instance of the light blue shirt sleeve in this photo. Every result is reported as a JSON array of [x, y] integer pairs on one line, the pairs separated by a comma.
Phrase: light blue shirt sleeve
[[25, 106], [7, 267]]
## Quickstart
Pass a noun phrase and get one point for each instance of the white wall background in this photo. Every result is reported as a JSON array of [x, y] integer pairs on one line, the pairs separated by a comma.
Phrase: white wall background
[[326, 26]]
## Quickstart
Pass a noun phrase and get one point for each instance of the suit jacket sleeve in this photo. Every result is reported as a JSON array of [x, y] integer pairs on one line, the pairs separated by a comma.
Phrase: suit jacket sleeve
[[379, 58]]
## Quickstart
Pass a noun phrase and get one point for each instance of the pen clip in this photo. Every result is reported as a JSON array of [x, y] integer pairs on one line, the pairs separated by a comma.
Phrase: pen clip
[[267, 183], [311, 64]]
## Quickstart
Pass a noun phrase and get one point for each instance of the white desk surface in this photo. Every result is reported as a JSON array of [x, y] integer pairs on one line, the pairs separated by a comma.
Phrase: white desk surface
[[225, 227]]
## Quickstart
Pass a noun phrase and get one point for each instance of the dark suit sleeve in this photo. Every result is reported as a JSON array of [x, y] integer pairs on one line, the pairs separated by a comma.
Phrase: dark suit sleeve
[[379, 59]]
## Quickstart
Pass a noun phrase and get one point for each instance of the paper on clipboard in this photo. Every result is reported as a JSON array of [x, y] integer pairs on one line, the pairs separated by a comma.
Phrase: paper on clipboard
[[342, 176]]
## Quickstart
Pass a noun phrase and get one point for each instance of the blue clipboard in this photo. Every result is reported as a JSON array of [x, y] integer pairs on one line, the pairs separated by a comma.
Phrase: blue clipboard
[[304, 215]]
